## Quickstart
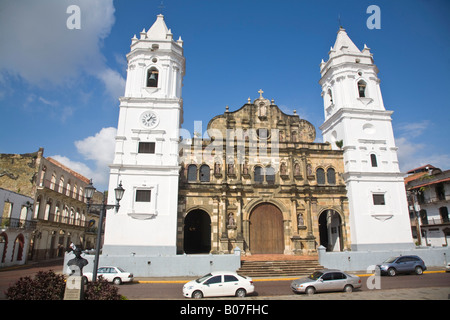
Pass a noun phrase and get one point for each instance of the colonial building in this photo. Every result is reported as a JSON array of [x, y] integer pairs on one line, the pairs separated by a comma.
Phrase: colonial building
[[16, 227], [428, 190], [261, 183], [57, 209]]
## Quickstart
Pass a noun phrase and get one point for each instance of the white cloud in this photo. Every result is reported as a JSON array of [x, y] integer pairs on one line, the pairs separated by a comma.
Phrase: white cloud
[[99, 149], [413, 129], [38, 47], [407, 153], [113, 81], [412, 154], [79, 167]]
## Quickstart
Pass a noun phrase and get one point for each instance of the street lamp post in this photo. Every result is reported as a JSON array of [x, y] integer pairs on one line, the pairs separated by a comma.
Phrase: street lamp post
[[89, 193]]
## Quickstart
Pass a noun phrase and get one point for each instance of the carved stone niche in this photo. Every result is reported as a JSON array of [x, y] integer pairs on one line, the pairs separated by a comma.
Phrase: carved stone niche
[[283, 171]]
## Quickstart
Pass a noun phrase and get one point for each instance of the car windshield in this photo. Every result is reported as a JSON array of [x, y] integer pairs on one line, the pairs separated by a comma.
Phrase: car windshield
[[390, 260], [316, 275], [120, 269], [199, 280]]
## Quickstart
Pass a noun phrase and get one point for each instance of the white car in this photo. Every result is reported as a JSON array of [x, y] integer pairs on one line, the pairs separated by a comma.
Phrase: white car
[[219, 284], [447, 267], [115, 275]]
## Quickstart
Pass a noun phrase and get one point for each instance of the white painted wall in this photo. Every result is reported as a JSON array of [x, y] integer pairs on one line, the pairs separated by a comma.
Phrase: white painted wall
[[365, 128], [148, 227]]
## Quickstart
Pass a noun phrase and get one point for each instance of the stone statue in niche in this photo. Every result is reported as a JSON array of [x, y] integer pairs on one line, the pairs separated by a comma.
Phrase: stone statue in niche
[[231, 169], [296, 170], [245, 168], [231, 223], [300, 221], [262, 110], [283, 169], [309, 169], [216, 168]]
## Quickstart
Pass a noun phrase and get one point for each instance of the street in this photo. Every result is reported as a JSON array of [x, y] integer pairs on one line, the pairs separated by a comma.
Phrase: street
[[280, 289], [417, 287]]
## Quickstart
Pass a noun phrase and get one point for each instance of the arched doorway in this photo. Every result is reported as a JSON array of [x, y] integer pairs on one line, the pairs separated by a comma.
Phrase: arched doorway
[[18, 248], [266, 230], [330, 230], [197, 232]]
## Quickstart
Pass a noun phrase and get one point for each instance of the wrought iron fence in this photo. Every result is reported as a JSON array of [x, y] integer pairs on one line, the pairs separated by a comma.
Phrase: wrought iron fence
[[17, 223]]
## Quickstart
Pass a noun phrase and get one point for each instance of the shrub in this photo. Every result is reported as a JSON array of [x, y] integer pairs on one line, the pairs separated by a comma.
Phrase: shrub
[[101, 290], [46, 285]]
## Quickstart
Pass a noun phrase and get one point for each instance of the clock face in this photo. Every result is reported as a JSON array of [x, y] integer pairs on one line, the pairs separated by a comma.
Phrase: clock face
[[149, 119]]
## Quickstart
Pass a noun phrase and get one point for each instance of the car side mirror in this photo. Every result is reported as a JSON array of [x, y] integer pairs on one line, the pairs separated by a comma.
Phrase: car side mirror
[[320, 280]]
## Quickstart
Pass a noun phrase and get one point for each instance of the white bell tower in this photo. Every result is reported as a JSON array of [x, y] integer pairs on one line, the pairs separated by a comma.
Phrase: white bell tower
[[357, 122], [146, 152]]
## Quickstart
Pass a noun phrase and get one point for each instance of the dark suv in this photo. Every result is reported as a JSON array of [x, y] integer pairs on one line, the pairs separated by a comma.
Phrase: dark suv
[[402, 264]]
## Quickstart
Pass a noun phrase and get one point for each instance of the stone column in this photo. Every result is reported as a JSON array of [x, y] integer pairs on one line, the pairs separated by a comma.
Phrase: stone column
[[239, 222], [344, 225], [217, 212], [310, 239], [296, 239], [223, 222]]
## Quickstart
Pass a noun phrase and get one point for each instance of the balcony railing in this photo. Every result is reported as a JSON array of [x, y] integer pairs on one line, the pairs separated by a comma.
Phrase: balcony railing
[[433, 221], [17, 223], [434, 199], [66, 220], [70, 193]]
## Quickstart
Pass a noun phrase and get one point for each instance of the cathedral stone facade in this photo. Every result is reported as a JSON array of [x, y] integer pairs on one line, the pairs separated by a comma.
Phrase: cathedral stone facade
[[257, 180]]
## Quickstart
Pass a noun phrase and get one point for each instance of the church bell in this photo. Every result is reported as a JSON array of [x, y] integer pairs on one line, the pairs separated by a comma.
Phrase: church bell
[[152, 80]]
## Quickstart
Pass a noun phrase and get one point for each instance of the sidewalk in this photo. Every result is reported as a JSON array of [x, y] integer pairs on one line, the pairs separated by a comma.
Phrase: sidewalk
[[391, 294]]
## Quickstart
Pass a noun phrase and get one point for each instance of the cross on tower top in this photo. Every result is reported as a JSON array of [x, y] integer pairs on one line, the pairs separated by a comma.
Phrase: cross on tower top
[[260, 93], [161, 7]]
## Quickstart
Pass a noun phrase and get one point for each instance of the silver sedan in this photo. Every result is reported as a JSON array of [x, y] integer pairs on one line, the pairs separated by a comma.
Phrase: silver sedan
[[326, 280]]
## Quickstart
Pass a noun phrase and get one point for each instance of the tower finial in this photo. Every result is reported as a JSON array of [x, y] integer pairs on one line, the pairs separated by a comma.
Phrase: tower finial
[[161, 7]]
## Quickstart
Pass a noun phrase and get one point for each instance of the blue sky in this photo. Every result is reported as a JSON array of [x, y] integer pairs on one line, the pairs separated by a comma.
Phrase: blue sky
[[59, 87]]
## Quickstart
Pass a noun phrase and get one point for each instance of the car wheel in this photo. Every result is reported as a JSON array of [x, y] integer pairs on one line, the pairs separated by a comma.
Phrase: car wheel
[[310, 291], [418, 270], [348, 288], [392, 272], [197, 294], [117, 281], [241, 293]]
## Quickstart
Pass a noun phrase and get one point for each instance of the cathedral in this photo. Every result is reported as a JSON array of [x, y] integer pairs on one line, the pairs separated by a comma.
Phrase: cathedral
[[261, 183], [256, 180]]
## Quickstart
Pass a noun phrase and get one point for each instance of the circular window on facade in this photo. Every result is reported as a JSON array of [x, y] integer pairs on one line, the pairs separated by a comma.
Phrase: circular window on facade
[[263, 133], [368, 128]]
